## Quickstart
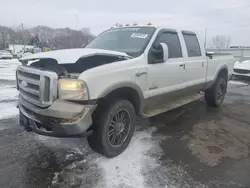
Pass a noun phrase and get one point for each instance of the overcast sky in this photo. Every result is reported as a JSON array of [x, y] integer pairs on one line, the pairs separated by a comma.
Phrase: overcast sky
[[224, 17]]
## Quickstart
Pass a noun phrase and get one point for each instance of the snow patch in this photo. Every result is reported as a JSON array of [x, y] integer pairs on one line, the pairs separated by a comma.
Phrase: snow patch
[[76, 151], [126, 170], [9, 67], [55, 178], [233, 82], [69, 156], [8, 110], [8, 93], [3, 127]]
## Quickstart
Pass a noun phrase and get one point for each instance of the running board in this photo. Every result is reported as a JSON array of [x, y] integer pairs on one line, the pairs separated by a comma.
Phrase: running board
[[170, 106]]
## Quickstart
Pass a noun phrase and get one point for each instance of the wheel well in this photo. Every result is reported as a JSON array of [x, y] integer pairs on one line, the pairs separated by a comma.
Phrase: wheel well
[[127, 93], [223, 73]]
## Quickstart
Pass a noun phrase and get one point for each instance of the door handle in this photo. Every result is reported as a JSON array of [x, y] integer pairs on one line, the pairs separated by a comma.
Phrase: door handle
[[138, 74], [182, 65]]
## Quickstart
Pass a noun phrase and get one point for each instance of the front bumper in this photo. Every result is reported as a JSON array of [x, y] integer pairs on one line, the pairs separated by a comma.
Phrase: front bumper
[[241, 75], [61, 119]]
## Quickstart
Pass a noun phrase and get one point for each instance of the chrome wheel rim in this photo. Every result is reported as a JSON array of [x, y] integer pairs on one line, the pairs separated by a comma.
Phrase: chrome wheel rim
[[119, 127]]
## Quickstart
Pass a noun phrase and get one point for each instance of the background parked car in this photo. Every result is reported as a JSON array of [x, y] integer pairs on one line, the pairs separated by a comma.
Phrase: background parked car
[[5, 54], [242, 68]]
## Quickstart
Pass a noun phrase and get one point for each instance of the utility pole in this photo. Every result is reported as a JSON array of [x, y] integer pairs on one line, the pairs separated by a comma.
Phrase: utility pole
[[23, 36], [205, 42]]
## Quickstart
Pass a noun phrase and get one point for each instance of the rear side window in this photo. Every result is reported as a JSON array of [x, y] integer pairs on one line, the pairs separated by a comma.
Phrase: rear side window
[[192, 44], [173, 42]]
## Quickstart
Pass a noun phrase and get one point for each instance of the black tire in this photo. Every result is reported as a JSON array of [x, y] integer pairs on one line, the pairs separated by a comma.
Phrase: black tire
[[100, 141], [215, 95]]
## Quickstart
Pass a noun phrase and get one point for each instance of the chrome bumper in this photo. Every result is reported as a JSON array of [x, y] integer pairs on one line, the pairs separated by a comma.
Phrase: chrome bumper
[[54, 120]]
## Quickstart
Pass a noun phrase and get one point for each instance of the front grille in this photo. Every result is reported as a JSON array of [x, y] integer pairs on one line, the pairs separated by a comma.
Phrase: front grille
[[37, 86], [242, 71]]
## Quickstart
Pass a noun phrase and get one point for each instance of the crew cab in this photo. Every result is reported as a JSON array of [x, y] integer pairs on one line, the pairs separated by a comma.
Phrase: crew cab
[[98, 90]]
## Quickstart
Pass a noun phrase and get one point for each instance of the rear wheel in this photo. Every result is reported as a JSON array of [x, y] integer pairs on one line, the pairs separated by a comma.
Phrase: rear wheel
[[215, 95], [113, 129]]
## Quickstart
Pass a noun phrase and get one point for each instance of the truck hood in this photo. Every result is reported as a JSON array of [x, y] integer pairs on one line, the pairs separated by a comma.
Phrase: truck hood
[[242, 65], [71, 55]]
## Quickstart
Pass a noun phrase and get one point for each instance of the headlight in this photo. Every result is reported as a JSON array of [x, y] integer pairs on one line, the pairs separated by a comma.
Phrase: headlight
[[71, 89]]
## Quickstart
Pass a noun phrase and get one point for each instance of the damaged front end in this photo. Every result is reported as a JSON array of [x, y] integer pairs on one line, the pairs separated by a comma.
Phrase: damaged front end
[[50, 95], [42, 111]]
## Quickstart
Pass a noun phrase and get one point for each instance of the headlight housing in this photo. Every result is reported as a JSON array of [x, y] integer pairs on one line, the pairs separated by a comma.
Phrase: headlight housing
[[72, 89]]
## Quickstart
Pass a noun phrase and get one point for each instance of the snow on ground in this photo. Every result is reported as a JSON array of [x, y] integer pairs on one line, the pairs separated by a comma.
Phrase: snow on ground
[[8, 93], [8, 110], [237, 82], [126, 170], [9, 67]]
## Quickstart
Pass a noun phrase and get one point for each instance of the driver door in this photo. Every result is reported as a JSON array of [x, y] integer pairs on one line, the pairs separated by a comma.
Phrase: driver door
[[165, 78]]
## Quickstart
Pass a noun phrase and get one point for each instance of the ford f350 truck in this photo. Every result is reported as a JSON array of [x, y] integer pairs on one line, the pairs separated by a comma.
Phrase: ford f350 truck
[[98, 90]]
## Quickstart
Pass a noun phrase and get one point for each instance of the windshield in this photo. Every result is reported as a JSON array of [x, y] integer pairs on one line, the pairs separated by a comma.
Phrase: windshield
[[130, 40]]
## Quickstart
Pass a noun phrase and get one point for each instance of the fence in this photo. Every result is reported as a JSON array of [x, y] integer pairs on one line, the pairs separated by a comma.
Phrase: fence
[[240, 54]]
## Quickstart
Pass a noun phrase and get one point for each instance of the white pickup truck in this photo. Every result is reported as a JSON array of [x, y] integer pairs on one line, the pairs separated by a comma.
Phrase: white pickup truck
[[98, 90]]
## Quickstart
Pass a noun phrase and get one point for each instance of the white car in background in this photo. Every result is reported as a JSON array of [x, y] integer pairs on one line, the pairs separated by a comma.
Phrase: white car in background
[[23, 54], [242, 68], [5, 54]]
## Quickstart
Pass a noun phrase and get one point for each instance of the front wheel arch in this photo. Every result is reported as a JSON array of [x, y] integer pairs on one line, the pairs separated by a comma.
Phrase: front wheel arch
[[128, 91]]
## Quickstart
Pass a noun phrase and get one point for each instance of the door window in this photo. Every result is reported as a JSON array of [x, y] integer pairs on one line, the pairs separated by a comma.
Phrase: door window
[[173, 42], [192, 44]]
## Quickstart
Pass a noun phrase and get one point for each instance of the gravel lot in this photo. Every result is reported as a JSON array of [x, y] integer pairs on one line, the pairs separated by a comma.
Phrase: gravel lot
[[192, 146]]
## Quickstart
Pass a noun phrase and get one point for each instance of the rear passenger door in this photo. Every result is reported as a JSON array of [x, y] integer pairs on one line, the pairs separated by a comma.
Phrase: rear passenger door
[[195, 62]]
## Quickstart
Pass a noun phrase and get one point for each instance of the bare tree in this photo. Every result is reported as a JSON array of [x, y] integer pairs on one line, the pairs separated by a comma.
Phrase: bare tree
[[48, 37], [220, 41]]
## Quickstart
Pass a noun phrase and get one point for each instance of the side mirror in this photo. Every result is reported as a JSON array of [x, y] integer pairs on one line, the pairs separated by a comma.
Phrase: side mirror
[[160, 53], [164, 48], [210, 54]]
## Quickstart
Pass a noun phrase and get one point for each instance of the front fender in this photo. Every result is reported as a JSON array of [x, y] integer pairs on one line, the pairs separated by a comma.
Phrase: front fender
[[121, 85]]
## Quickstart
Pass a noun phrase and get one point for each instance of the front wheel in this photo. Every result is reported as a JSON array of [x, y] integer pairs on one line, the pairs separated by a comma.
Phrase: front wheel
[[113, 129], [215, 95]]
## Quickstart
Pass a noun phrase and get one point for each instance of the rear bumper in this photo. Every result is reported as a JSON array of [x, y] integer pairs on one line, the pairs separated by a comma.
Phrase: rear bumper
[[55, 121]]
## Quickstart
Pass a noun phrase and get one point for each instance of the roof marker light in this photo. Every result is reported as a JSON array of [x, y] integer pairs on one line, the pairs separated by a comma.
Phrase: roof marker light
[[149, 23]]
